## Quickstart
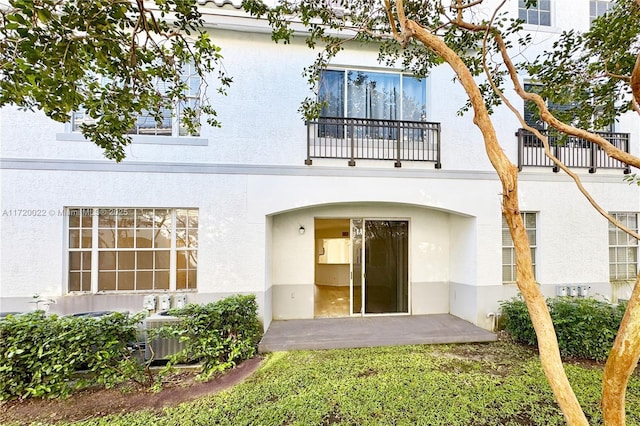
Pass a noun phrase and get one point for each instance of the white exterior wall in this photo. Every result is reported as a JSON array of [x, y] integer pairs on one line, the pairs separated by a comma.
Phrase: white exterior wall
[[250, 241], [253, 192], [294, 257]]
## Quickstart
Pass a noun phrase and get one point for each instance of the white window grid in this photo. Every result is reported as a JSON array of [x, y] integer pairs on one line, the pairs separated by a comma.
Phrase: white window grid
[[598, 8], [508, 250], [89, 227], [623, 248], [171, 120], [535, 15]]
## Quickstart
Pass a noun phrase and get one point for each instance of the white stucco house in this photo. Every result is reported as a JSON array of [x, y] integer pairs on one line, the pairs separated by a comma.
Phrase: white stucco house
[[388, 199]]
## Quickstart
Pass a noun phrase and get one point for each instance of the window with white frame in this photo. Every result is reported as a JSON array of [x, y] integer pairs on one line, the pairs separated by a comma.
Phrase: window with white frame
[[598, 8], [375, 95], [132, 249], [508, 250], [171, 118], [623, 248], [540, 14], [531, 115], [532, 118]]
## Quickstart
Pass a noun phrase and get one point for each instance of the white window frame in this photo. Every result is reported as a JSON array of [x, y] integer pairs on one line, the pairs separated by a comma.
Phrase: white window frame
[[541, 125], [193, 97], [623, 248], [508, 249], [401, 75], [94, 214], [525, 13], [595, 9]]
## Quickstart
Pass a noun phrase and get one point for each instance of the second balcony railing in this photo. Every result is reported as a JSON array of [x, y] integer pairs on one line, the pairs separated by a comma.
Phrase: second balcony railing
[[572, 151], [370, 139]]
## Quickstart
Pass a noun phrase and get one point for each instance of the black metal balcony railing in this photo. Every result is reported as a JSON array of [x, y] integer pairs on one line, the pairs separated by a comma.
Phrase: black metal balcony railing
[[572, 151], [370, 139]]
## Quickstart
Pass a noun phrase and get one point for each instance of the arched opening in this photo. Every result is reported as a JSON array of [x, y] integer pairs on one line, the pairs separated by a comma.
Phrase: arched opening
[[370, 259]]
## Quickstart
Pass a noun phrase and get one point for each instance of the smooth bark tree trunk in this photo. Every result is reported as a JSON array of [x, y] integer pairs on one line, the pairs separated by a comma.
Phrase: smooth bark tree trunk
[[622, 361], [508, 174], [635, 78]]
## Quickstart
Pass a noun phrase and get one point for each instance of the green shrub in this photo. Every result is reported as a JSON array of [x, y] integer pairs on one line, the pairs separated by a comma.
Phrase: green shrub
[[585, 327], [40, 355], [217, 334], [515, 319]]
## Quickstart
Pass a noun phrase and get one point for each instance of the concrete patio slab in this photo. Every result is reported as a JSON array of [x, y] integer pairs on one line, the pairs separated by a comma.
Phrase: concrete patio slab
[[362, 332]]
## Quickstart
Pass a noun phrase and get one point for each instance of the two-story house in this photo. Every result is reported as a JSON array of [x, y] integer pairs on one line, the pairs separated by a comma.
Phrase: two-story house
[[386, 205]]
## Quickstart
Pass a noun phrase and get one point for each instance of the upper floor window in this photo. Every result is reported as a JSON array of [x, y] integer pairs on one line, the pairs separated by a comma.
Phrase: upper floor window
[[623, 249], [540, 14], [509, 251], [598, 8], [132, 249], [375, 95], [170, 123], [566, 112], [531, 115]]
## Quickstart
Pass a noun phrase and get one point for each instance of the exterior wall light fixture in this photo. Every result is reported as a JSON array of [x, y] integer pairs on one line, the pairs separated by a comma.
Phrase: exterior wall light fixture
[[301, 230]]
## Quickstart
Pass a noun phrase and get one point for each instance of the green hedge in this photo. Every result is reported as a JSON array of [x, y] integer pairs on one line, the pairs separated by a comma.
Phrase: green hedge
[[585, 327], [218, 334], [40, 355]]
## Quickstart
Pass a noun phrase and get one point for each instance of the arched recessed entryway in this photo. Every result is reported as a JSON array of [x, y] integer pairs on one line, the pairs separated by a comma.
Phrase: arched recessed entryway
[[367, 259]]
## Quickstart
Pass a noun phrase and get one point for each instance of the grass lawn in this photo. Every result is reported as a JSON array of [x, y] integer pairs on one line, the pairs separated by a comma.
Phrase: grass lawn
[[484, 384]]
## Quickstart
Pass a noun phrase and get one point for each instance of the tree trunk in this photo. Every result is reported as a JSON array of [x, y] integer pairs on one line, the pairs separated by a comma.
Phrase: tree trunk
[[635, 78], [621, 362], [508, 174]]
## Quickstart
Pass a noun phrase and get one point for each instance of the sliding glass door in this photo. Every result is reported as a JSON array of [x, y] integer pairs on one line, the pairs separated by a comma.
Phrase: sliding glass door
[[379, 267]]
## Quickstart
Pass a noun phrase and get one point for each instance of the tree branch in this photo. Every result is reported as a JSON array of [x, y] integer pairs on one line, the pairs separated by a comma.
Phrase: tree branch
[[461, 6], [545, 142], [545, 114], [508, 174], [392, 21], [611, 150], [625, 353], [635, 79], [622, 361]]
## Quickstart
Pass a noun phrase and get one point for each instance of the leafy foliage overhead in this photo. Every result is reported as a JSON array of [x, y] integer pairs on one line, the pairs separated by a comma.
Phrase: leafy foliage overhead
[[601, 57], [107, 57], [592, 70]]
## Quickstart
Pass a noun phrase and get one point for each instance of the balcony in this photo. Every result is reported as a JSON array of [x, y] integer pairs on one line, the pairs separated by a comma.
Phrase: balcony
[[370, 139], [572, 151]]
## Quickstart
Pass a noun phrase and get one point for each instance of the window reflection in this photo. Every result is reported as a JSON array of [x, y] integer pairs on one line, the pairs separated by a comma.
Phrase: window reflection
[[375, 95]]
